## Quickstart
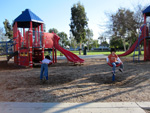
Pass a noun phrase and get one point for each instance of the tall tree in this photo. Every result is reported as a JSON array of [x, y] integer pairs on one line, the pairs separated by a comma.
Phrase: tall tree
[[78, 23], [102, 38], [63, 39], [73, 42], [116, 42], [95, 43], [123, 25], [138, 15], [88, 40], [8, 29]]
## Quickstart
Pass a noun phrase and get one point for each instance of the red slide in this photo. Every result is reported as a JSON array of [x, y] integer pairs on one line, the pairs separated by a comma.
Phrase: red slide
[[132, 47], [69, 55]]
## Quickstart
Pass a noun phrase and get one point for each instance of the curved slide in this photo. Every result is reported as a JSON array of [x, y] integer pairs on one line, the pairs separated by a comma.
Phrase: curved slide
[[132, 47], [69, 55]]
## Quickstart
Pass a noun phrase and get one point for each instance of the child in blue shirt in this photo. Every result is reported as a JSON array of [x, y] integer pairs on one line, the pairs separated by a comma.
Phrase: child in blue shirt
[[44, 68]]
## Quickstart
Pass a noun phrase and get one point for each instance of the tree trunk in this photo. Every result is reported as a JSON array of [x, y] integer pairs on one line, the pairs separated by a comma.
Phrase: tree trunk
[[74, 46], [129, 45], [124, 44], [88, 46], [80, 50]]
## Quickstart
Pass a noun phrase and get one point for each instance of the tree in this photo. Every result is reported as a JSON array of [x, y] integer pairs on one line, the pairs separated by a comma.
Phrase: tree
[[8, 29], [123, 26], [53, 30], [105, 43], [88, 40], [78, 23], [73, 42], [1, 34], [95, 43], [116, 42], [63, 39], [102, 38], [138, 15]]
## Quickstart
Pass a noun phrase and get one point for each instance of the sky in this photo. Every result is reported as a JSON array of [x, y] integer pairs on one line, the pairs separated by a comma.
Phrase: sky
[[57, 13]]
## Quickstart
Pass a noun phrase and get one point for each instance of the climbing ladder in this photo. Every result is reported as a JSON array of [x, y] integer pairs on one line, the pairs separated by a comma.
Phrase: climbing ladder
[[139, 40]]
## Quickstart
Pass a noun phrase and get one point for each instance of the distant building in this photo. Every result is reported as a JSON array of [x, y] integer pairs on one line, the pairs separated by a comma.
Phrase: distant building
[[75, 49], [104, 47]]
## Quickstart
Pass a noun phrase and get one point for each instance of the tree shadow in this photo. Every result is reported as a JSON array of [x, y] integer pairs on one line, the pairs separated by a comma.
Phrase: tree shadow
[[4, 65], [88, 79]]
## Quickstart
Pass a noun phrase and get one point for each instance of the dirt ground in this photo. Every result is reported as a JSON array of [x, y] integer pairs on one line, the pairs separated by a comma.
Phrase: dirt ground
[[90, 82]]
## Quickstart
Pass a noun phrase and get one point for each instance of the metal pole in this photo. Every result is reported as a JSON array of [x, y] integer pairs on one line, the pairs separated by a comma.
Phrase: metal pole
[[43, 41], [30, 46], [145, 38]]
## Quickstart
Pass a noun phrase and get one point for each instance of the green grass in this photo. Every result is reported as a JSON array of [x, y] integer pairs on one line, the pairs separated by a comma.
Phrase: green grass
[[99, 53]]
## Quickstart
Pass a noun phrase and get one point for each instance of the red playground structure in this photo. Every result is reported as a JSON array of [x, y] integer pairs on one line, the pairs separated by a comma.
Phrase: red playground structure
[[144, 36], [31, 41]]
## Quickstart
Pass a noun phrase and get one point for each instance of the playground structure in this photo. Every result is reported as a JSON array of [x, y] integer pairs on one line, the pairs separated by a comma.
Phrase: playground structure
[[30, 41], [143, 36], [6, 47]]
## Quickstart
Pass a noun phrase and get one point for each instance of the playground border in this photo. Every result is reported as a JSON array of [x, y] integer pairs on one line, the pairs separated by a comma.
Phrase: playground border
[[96, 107]]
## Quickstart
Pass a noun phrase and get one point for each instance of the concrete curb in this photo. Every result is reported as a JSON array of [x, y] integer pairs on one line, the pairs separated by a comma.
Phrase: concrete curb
[[97, 107]]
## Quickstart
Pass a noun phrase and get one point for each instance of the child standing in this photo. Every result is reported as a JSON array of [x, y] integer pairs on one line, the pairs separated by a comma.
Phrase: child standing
[[44, 68], [114, 60]]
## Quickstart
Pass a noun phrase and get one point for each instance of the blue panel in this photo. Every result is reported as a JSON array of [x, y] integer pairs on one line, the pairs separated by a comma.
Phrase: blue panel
[[27, 16], [147, 11]]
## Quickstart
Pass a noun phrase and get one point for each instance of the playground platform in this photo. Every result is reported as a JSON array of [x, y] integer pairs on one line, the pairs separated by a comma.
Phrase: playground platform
[[97, 107]]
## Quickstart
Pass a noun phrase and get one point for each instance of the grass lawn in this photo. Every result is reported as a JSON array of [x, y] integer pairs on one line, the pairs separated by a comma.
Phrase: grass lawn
[[100, 52]]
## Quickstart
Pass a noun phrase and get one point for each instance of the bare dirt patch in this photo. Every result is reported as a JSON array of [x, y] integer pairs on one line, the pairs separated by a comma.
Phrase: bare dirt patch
[[91, 82]]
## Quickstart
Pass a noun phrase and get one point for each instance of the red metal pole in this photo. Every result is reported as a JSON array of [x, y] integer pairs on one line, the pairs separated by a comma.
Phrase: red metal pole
[[15, 34], [53, 55], [35, 38], [43, 41], [145, 38], [27, 39], [24, 37], [19, 46], [30, 46], [38, 36]]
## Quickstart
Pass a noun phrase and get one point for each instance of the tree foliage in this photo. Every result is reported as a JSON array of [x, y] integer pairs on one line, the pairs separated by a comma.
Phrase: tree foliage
[[95, 44], [78, 22], [105, 43], [124, 26], [73, 42], [8, 29], [102, 38], [88, 39], [116, 42], [53, 30], [63, 39]]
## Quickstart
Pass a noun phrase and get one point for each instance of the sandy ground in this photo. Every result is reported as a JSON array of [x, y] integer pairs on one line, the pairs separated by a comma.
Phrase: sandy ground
[[90, 82]]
